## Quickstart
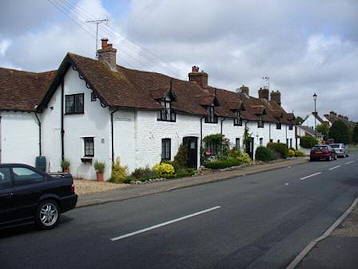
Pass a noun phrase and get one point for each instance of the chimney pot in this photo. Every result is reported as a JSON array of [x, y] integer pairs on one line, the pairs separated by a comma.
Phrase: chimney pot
[[276, 96], [104, 42], [107, 54], [264, 93], [201, 78]]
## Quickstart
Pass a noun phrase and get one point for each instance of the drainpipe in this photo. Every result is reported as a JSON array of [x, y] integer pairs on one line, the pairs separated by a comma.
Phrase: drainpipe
[[62, 120], [221, 127], [286, 136], [221, 132], [39, 124], [112, 133], [269, 131], [201, 137]]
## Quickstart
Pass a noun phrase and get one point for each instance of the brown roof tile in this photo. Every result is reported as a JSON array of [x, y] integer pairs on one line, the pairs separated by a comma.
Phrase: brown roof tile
[[23, 91]]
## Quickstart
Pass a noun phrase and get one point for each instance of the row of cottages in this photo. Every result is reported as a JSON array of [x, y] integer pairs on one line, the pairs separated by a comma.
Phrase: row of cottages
[[97, 110]]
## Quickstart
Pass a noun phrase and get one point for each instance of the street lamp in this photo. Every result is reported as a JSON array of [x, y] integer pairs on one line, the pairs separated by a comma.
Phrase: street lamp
[[315, 114]]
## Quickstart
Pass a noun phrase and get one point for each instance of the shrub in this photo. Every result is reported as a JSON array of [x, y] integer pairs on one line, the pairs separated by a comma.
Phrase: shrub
[[308, 141], [280, 148], [182, 172], [142, 173], [99, 166], [299, 153], [264, 154], [119, 173], [222, 163], [244, 158], [234, 153], [181, 159], [291, 153], [65, 164], [164, 169]]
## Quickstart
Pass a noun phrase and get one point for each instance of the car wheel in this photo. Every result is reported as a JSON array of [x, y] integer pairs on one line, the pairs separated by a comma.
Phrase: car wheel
[[47, 214]]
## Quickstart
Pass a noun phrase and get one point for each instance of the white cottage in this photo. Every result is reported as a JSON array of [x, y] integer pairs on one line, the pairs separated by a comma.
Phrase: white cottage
[[98, 110]]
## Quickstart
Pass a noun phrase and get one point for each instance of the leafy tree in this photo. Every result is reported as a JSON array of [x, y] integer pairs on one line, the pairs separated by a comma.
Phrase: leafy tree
[[246, 137], [323, 129], [298, 120], [355, 134], [339, 132], [308, 141]]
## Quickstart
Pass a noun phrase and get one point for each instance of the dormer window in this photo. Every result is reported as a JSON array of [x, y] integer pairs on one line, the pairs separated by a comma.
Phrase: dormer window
[[290, 126], [260, 123], [211, 117], [278, 125], [237, 119], [167, 114]]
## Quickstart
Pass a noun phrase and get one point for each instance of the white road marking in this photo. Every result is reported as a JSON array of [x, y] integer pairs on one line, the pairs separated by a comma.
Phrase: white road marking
[[303, 178], [287, 184], [164, 223], [349, 162], [330, 169]]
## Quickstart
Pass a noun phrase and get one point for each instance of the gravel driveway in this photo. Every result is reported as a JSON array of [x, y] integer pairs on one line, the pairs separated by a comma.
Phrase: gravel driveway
[[83, 186]]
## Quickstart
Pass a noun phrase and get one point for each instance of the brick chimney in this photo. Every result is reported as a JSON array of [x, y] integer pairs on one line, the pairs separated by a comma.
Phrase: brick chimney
[[201, 78], [107, 54], [244, 89], [276, 96], [264, 93]]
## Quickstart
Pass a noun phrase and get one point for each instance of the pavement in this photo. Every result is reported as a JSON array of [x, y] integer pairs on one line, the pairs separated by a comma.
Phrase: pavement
[[336, 248]]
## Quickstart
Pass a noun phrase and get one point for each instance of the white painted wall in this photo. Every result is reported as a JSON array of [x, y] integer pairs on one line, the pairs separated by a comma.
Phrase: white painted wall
[[310, 122], [95, 122], [19, 137]]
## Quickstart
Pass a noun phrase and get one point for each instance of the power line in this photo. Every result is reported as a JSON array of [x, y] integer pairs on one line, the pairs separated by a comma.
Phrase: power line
[[147, 55]]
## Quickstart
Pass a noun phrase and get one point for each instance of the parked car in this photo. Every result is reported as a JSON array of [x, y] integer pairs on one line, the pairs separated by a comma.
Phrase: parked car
[[319, 152], [340, 149], [30, 195]]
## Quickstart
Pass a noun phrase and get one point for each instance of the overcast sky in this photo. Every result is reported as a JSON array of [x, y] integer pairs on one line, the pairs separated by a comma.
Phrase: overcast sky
[[305, 47]]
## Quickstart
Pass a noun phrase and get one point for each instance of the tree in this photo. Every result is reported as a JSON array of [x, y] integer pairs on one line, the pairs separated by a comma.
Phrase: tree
[[323, 129], [355, 134], [339, 132], [298, 120]]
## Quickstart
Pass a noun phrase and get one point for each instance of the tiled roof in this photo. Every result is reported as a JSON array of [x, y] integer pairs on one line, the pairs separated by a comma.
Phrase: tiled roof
[[128, 88], [23, 91]]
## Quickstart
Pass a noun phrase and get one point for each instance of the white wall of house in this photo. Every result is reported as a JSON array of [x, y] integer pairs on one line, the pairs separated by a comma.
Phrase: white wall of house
[[310, 122], [94, 122], [19, 137]]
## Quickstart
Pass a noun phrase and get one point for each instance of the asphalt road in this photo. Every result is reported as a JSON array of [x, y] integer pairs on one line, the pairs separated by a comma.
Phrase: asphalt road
[[258, 221]]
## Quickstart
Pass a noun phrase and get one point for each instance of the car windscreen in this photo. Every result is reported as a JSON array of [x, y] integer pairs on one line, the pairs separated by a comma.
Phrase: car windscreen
[[319, 148]]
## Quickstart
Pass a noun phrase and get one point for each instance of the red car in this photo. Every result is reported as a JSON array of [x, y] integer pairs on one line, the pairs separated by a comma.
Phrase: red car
[[326, 152]]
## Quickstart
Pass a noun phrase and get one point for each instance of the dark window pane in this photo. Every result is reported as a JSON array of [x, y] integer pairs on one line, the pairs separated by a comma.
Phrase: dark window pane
[[25, 176], [89, 146], [74, 103], [166, 149]]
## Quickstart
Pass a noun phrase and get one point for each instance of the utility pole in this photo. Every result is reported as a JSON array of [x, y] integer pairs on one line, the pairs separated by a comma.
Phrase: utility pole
[[97, 22]]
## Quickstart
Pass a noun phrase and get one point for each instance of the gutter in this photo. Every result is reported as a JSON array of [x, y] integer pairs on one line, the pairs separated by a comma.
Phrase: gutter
[[112, 133], [40, 134]]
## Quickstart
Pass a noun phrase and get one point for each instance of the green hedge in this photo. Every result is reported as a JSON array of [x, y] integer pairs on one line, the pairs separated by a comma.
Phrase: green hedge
[[222, 163], [264, 154], [279, 148], [308, 141]]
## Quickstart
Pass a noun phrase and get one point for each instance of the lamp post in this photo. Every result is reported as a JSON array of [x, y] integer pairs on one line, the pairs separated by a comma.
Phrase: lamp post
[[315, 114]]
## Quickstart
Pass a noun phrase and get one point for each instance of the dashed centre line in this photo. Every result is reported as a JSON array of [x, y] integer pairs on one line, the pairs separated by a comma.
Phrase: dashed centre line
[[315, 174], [330, 169], [349, 162], [164, 223]]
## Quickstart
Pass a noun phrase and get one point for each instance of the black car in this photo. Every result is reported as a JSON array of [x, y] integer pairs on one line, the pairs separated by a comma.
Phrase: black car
[[30, 195]]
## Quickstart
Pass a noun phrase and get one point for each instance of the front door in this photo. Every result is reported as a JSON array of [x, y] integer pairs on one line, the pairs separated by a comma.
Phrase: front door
[[192, 145], [249, 147]]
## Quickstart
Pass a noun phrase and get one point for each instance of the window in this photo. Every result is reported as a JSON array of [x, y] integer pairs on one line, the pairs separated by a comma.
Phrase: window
[[278, 125], [271, 140], [74, 104], [93, 97], [166, 149], [89, 146], [237, 120], [290, 142], [261, 141], [167, 114], [5, 178], [211, 117], [237, 143], [211, 148], [278, 140], [290, 126], [260, 123], [25, 176]]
